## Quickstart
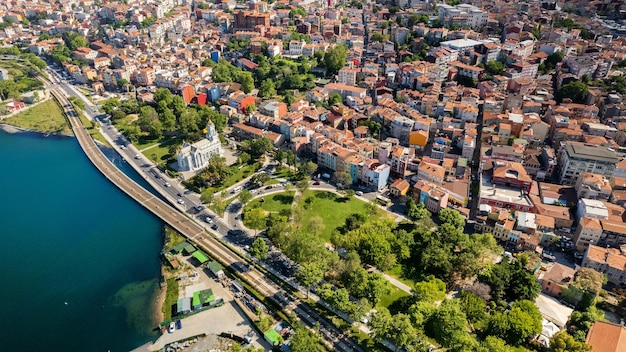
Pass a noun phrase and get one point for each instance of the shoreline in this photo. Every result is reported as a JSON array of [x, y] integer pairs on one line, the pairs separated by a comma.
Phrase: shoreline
[[12, 129], [158, 315]]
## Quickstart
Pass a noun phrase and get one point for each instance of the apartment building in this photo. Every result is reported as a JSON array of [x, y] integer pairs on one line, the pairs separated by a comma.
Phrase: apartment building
[[462, 15], [608, 261], [576, 158], [593, 186]]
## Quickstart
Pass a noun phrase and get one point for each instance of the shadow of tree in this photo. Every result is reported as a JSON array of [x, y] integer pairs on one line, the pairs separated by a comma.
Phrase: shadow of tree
[[283, 198]]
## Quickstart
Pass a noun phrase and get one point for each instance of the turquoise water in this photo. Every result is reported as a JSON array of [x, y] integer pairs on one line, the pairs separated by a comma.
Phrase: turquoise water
[[78, 259]]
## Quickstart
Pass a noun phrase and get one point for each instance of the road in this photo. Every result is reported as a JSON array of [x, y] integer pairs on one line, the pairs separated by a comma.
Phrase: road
[[186, 226]]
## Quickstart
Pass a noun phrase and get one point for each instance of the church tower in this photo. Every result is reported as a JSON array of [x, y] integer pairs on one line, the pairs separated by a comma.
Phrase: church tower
[[211, 133]]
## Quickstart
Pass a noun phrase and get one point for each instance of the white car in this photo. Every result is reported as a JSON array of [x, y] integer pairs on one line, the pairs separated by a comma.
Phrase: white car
[[171, 328], [180, 201], [208, 220], [358, 193], [167, 184]]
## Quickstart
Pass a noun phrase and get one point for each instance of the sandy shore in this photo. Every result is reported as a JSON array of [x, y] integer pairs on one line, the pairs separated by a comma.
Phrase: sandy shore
[[158, 303], [9, 128]]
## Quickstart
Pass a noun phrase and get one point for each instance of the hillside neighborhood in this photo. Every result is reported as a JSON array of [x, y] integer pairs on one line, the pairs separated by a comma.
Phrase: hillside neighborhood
[[497, 117]]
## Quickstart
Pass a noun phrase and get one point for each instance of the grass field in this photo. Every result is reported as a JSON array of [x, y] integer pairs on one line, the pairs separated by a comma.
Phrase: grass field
[[396, 272], [161, 152], [45, 117], [274, 203], [395, 295], [332, 208], [241, 173], [170, 298]]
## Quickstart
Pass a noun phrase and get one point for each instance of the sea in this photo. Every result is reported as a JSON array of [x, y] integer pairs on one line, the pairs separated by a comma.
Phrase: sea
[[79, 260]]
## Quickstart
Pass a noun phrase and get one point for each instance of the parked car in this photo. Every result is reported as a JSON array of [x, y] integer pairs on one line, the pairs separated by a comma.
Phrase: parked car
[[359, 193], [317, 183], [171, 328], [179, 324]]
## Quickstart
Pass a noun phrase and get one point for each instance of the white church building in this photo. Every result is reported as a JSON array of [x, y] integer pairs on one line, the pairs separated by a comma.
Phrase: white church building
[[196, 156]]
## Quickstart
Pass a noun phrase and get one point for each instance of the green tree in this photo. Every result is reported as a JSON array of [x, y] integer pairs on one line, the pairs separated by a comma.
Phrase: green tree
[[259, 248], [524, 322], [267, 89], [452, 217], [255, 219], [310, 274], [305, 341], [495, 67], [303, 185], [245, 196], [335, 58], [431, 290], [246, 80], [343, 179], [334, 98], [473, 306], [576, 90], [259, 146], [493, 344], [259, 179], [207, 196], [564, 342], [446, 321], [377, 37]]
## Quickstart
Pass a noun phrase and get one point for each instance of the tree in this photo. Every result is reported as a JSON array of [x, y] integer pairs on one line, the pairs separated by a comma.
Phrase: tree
[[452, 217], [446, 321], [524, 321], [343, 179], [316, 225], [246, 80], [267, 89], [334, 98], [219, 205], [255, 219], [259, 146], [495, 67], [207, 197], [310, 274], [335, 58], [377, 37], [288, 98], [244, 197], [564, 342], [493, 344], [259, 179], [259, 248], [303, 185], [307, 168], [431, 290], [305, 341], [576, 90], [473, 306]]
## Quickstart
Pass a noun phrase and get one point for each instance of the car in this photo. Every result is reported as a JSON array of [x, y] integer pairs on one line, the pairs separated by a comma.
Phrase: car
[[167, 184], [269, 187], [179, 324], [180, 201], [215, 227], [122, 147], [178, 194], [359, 193], [171, 328], [137, 156], [199, 207], [316, 183], [187, 191], [208, 220]]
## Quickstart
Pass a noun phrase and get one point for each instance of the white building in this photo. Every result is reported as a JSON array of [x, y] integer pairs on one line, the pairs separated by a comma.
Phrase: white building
[[463, 15], [578, 157], [196, 156]]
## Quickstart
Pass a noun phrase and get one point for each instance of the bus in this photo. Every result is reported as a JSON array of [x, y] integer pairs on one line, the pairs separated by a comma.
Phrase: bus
[[383, 200]]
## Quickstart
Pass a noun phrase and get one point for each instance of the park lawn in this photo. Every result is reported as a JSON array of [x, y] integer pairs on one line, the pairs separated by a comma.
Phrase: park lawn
[[45, 117], [161, 152], [271, 182], [274, 203], [396, 272], [286, 173], [333, 210], [393, 296]]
